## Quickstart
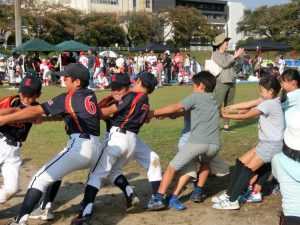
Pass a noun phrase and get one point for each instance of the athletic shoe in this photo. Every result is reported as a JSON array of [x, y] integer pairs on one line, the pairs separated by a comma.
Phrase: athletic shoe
[[227, 205], [174, 203], [276, 189], [82, 220], [132, 202], [229, 129], [197, 196], [222, 174], [220, 198], [43, 214], [243, 198], [155, 204], [254, 197]]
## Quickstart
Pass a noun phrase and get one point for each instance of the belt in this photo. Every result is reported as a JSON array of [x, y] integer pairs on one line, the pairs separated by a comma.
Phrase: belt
[[291, 153], [10, 142], [85, 136], [121, 130], [124, 131]]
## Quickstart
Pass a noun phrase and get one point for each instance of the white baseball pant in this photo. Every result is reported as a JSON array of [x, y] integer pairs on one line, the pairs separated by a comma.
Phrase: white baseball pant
[[145, 156], [80, 153], [10, 163], [116, 151]]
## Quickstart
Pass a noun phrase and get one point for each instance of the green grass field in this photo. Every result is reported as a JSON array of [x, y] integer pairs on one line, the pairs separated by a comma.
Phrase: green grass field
[[45, 140]]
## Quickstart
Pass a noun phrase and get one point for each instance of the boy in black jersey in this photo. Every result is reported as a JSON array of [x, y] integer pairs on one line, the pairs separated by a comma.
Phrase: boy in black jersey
[[127, 116], [79, 109], [12, 135]]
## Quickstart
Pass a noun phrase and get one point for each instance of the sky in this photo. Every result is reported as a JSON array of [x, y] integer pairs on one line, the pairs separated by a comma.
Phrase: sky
[[252, 4]]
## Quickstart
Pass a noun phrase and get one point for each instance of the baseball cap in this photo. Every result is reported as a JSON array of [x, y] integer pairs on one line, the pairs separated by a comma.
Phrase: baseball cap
[[148, 80], [30, 85], [77, 71], [220, 39], [292, 133], [120, 79]]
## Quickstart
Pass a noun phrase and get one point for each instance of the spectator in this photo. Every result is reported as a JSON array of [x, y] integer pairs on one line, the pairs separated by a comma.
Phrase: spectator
[[151, 58], [225, 88], [167, 63], [83, 59], [91, 66], [187, 64]]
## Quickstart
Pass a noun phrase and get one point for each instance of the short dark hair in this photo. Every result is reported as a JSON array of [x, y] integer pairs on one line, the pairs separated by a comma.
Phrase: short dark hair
[[207, 79], [83, 84], [290, 75], [270, 82]]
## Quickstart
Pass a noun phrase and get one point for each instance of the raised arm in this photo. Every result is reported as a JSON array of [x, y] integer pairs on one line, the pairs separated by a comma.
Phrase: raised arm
[[22, 115]]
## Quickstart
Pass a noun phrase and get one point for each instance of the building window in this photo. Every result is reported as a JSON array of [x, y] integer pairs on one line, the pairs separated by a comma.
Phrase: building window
[[108, 2], [148, 4]]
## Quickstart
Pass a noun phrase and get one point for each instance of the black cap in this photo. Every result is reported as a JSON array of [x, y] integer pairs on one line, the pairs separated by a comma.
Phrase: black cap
[[77, 71], [30, 85], [148, 80], [120, 79]]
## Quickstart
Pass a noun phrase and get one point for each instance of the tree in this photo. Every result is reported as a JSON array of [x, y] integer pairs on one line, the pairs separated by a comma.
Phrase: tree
[[102, 29], [279, 22], [137, 27], [6, 22], [188, 23]]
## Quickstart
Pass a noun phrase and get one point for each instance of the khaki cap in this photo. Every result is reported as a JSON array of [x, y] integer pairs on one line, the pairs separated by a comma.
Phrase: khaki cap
[[220, 39]]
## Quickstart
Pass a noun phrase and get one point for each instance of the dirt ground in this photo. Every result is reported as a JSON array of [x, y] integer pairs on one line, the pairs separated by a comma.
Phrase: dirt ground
[[109, 207]]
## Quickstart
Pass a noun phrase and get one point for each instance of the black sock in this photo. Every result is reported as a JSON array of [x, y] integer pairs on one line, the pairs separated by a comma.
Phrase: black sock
[[31, 198], [155, 186], [122, 183], [241, 183], [263, 174], [51, 193], [234, 175], [89, 198]]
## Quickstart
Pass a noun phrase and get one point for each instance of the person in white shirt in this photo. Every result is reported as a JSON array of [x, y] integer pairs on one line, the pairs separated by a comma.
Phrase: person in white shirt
[[151, 58]]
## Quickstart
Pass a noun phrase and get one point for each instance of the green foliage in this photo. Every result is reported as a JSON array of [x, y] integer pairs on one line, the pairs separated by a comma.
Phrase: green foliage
[[188, 23], [279, 22]]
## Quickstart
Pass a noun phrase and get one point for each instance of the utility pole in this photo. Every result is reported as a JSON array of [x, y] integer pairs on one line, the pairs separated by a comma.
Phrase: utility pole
[[18, 23]]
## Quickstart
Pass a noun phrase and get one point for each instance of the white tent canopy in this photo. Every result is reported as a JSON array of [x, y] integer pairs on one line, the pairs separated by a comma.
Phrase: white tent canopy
[[108, 53]]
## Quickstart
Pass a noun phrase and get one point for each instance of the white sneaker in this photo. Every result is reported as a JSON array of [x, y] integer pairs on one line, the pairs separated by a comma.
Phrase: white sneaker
[[220, 198], [254, 197], [39, 213], [227, 205]]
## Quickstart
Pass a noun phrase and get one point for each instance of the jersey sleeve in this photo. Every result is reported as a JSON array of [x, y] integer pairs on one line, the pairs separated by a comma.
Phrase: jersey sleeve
[[55, 106], [188, 102], [264, 107]]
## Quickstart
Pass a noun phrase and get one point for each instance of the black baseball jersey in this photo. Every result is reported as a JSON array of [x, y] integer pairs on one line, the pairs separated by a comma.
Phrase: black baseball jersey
[[16, 131], [132, 111], [79, 110]]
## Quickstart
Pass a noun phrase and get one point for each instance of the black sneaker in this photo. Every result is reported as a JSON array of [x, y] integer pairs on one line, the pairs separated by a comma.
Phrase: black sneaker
[[229, 129], [82, 220]]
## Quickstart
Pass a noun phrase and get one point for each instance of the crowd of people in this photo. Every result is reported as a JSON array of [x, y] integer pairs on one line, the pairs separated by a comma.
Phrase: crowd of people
[[166, 69], [125, 111]]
